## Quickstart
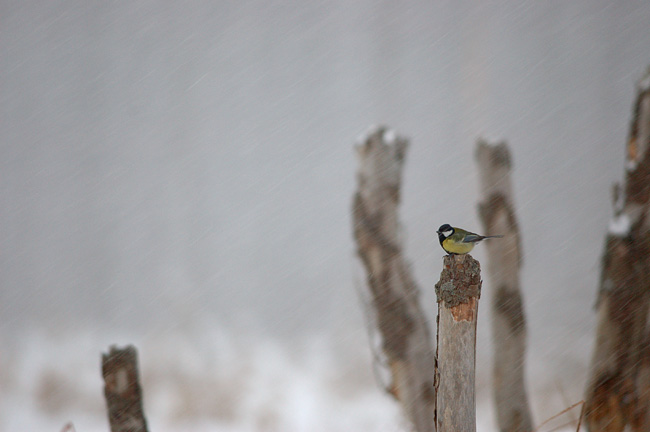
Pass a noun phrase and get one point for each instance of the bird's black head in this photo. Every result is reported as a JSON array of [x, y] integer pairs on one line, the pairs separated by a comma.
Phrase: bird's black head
[[444, 231]]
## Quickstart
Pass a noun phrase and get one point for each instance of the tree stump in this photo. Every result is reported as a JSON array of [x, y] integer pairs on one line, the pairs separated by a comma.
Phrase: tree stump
[[406, 340], [497, 214], [122, 390]]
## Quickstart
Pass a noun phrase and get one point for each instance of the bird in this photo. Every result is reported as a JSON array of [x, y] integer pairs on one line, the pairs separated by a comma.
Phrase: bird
[[457, 241]]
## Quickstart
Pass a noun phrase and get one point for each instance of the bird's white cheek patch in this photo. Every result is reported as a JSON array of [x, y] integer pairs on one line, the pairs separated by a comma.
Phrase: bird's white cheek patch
[[447, 233]]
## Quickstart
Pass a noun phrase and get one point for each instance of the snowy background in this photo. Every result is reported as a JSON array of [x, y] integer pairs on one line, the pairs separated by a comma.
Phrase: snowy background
[[178, 175]]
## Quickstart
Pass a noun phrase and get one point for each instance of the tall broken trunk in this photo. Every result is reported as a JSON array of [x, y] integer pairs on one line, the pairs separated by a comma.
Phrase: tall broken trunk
[[615, 394], [122, 390], [406, 340], [497, 215], [458, 291]]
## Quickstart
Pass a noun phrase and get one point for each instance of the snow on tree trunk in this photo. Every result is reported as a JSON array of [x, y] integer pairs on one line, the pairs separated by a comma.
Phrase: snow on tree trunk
[[406, 340], [615, 393], [458, 291], [497, 214]]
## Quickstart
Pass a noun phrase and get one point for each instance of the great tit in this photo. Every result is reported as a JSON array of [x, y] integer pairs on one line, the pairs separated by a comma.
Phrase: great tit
[[458, 241]]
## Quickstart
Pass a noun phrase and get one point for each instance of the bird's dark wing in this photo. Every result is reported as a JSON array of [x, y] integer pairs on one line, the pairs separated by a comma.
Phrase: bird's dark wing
[[472, 238]]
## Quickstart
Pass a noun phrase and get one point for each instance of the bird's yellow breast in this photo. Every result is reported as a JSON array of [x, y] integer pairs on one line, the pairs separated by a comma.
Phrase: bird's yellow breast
[[460, 248]]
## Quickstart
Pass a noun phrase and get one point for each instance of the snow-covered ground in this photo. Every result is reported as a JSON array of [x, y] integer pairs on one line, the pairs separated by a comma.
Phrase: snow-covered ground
[[207, 379]]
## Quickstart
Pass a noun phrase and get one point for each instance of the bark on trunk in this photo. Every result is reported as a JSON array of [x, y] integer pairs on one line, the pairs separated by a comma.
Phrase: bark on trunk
[[458, 292], [497, 214], [406, 340], [122, 390], [614, 396]]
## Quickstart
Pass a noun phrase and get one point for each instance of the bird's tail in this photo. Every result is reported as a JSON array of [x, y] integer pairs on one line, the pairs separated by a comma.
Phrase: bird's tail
[[494, 236]]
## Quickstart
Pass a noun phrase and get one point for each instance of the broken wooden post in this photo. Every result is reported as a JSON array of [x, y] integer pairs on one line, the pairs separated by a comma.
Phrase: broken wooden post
[[122, 390], [497, 214], [458, 292], [406, 340]]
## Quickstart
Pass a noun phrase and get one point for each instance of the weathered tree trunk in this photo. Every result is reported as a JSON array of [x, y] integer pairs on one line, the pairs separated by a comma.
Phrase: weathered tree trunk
[[458, 292], [613, 397], [406, 340], [122, 390], [497, 214]]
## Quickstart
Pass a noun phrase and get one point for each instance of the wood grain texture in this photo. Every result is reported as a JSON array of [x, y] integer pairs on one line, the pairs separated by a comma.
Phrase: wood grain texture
[[458, 292]]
